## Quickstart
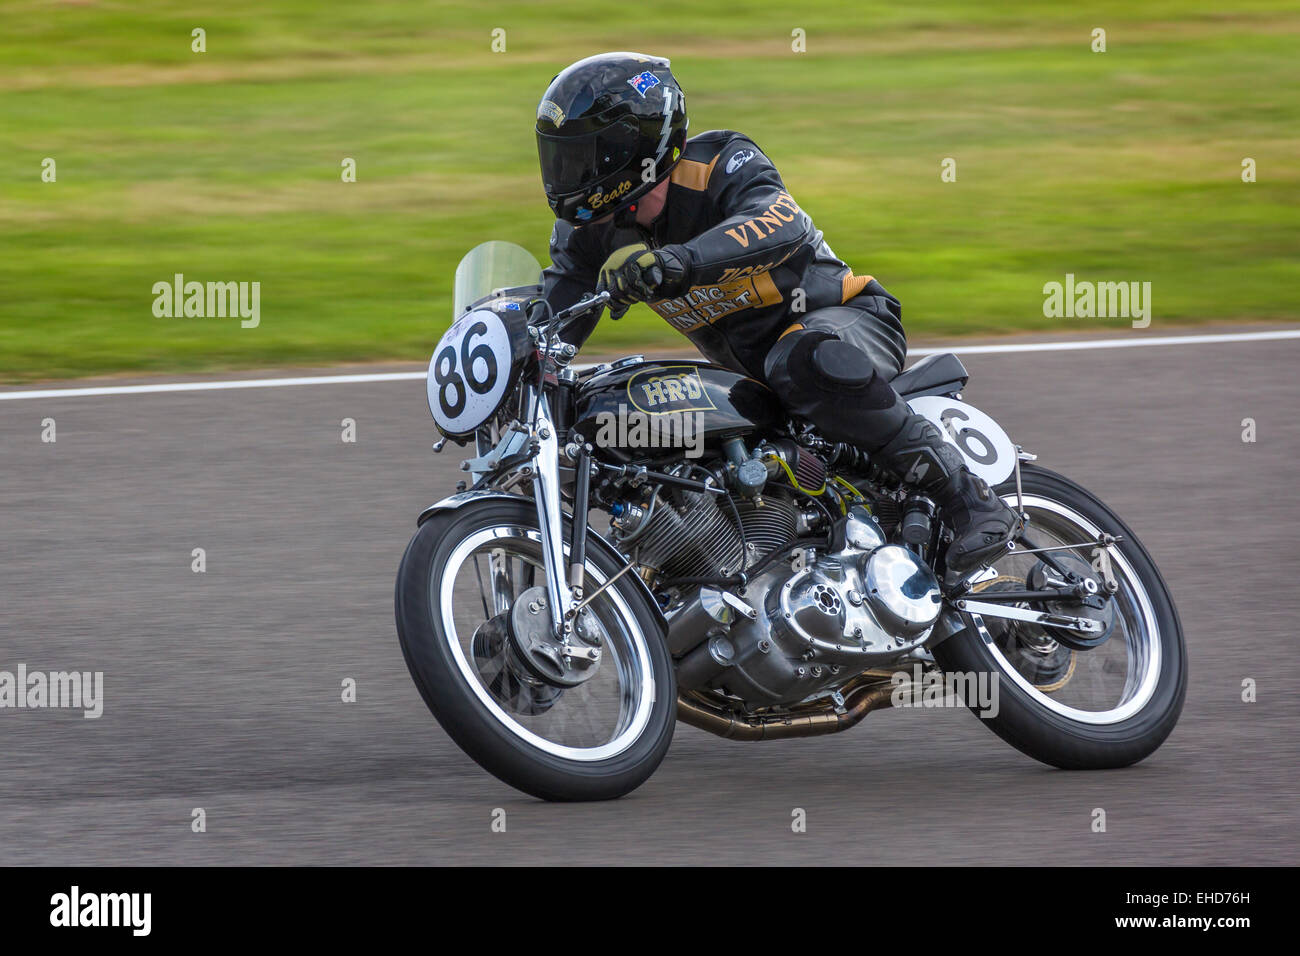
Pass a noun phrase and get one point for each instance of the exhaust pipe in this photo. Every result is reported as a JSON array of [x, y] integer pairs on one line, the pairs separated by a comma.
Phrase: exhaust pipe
[[858, 703]]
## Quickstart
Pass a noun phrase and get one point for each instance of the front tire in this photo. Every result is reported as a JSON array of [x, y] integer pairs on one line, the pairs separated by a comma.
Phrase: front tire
[[546, 746], [1129, 696]]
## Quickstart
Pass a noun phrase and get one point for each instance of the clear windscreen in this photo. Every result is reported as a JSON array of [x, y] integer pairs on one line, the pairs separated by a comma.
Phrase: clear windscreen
[[492, 266]]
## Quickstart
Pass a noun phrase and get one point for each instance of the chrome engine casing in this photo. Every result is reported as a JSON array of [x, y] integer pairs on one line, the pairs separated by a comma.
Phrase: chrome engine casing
[[817, 621]]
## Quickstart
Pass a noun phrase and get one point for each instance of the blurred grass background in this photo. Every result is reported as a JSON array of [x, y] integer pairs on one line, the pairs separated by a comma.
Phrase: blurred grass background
[[225, 165]]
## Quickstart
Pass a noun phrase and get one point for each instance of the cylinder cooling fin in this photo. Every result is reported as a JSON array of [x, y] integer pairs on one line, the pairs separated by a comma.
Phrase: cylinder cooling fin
[[690, 534]]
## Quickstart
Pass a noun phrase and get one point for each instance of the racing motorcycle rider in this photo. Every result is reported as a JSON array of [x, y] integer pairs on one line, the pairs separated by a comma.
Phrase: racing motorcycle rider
[[705, 233]]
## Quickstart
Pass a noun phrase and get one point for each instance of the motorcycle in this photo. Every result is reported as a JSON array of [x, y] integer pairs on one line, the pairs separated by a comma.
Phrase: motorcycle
[[584, 588]]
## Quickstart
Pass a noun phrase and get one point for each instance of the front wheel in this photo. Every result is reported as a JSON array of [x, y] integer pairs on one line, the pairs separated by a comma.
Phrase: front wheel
[[1078, 708], [586, 718]]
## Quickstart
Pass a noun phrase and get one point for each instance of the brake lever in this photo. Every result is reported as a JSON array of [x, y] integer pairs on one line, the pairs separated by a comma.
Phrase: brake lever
[[583, 306], [579, 308]]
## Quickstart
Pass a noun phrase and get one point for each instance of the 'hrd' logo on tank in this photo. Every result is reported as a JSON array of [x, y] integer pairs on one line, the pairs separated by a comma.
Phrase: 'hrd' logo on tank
[[671, 388], [704, 304]]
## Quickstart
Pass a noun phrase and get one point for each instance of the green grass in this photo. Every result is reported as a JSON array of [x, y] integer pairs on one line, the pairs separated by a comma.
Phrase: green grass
[[225, 165]]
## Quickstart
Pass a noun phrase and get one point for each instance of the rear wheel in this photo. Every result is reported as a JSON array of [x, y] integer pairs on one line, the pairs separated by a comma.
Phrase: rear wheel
[[586, 718], [1079, 707]]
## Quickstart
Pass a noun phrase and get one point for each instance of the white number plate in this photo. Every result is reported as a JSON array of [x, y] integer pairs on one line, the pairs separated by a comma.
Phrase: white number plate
[[469, 372], [988, 451]]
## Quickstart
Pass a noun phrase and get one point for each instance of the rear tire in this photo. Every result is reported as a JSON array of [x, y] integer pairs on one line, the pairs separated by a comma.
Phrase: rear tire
[[1026, 720], [462, 712]]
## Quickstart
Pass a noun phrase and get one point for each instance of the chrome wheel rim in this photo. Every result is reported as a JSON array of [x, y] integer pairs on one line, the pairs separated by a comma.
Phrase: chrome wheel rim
[[625, 689], [1136, 634]]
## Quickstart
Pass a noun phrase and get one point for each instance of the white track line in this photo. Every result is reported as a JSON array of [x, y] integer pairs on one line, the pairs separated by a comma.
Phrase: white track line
[[212, 386], [1081, 345], [1086, 344]]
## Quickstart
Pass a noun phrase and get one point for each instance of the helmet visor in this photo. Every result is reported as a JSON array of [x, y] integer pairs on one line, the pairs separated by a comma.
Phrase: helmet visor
[[572, 163]]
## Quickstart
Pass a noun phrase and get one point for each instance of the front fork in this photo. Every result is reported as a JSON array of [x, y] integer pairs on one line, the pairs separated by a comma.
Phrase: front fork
[[546, 494]]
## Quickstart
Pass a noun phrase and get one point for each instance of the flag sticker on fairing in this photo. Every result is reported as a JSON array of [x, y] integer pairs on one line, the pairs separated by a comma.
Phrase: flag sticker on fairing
[[644, 82]]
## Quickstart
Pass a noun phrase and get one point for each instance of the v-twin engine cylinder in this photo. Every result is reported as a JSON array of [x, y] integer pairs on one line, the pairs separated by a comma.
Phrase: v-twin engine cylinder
[[691, 534], [802, 626]]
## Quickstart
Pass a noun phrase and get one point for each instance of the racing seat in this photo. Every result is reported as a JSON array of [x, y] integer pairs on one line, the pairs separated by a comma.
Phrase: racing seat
[[939, 374]]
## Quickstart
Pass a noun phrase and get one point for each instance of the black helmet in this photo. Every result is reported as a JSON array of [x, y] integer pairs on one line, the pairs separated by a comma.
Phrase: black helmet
[[597, 124]]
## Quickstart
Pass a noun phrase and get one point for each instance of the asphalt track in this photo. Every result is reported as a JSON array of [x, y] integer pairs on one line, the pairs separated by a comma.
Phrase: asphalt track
[[222, 689]]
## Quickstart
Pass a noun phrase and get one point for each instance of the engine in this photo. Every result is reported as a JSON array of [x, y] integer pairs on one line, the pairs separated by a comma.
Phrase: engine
[[803, 623], [684, 534]]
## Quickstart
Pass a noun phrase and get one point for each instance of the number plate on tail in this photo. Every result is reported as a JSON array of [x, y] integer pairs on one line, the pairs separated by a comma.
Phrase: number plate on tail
[[988, 451]]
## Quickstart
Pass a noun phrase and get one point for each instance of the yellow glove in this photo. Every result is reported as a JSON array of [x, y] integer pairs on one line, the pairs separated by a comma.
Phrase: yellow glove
[[630, 274]]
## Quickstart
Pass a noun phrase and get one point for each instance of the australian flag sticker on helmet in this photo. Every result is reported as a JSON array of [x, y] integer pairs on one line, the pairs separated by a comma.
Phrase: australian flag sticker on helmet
[[644, 82]]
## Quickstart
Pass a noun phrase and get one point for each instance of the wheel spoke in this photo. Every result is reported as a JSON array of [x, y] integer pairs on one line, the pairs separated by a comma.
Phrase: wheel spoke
[[481, 592], [1102, 684], [603, 711]]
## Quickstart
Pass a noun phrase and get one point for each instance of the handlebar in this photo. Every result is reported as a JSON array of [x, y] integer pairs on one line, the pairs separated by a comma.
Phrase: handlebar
[[578, 316], [581, 307]]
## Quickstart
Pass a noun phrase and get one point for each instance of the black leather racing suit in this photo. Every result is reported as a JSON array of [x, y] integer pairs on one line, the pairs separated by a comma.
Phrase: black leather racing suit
[[756, 268], [756, 262]]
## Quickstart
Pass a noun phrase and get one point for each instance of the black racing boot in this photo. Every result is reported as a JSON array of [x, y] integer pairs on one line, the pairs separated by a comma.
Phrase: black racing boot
[[982, 525], [835, 386]]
